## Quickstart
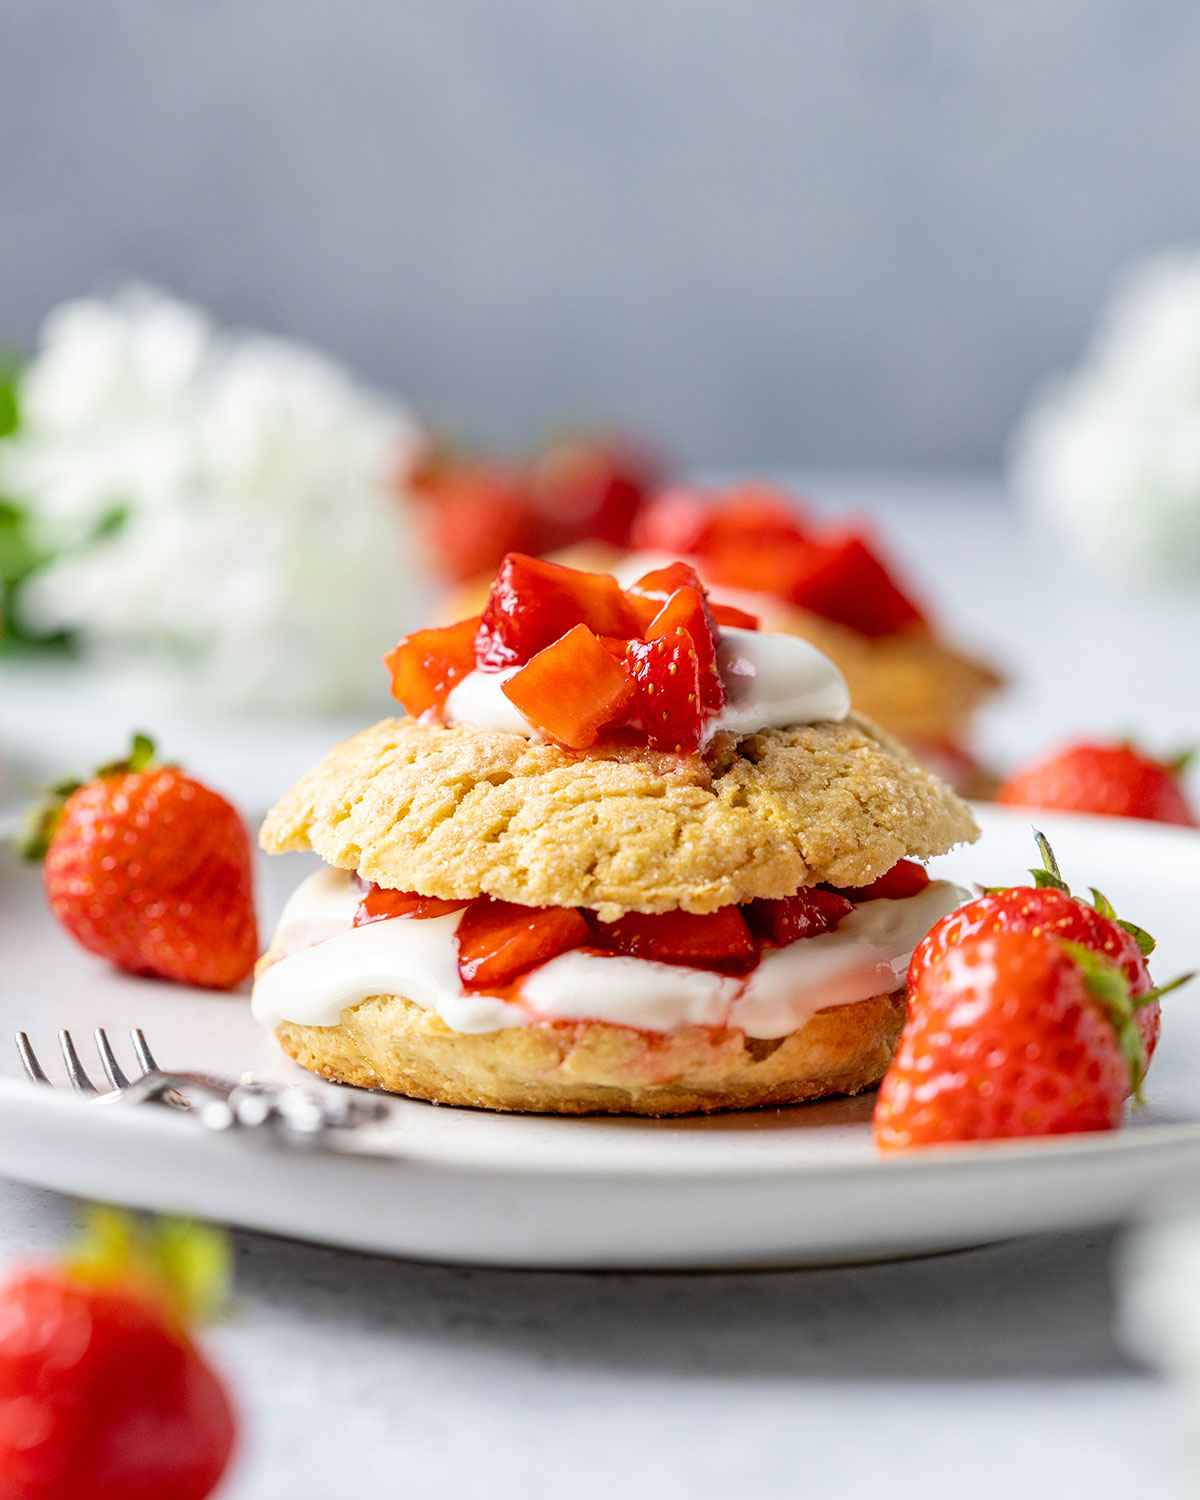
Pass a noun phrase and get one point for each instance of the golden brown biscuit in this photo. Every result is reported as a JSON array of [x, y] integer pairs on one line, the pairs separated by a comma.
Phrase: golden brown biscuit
[[913, 684], [590, 1067], [459, 813]]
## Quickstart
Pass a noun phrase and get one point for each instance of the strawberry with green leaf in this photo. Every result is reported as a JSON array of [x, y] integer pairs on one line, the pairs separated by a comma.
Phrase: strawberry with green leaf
[[1047, 908], [103, 1393], [150, 869], [1011, 1033]]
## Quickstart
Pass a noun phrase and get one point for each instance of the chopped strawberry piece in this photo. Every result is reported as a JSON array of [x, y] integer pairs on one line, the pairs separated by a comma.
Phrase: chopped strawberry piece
[[661, 583], [731, 616], [780, 567], [590, 486], [573, 688], [720, 940], [674, 521], [666, 672], [807, 914], [686, 521], [686, 610], [905, 878], [849, 584], [379, 904], [472, 512], [757, 513], [533, 602], [497, 940], [426, 665]]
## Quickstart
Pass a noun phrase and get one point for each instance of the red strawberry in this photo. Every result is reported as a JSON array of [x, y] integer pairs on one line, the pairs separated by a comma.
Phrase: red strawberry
[[687, 609], [103, 1394], [151, 870], [472, 512], [589, 487], [572, 689], [849, 583], [669, 707], [809, 913], [426, 665], [533, 603], [498, 940], [380, 905], [718, 940], [1047, 907], [1011, 1034], [1114, 780], [905, 878]]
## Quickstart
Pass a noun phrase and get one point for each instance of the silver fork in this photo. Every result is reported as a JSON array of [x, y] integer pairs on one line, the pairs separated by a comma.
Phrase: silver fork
[[289, 1113]]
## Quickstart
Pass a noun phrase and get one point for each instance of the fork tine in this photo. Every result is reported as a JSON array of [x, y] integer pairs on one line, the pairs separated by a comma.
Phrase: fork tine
[[142, 1048], [108, 1060], [33, 1068], [80, 1082]]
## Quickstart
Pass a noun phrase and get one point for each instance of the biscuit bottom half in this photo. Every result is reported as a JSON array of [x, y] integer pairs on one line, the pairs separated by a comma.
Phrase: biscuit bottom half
[[592, 1067]]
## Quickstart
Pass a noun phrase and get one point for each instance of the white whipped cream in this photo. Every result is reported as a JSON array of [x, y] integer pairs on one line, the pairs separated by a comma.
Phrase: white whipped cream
[[771, 682], [866, 955]]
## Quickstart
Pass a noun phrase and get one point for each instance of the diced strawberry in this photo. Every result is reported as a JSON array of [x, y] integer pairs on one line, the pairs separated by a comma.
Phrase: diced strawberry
[[661, 583], [848, 583], [688, 522], [572, 688], [757, 513], [720, 940], [497, 940], [533, 602], [426, 665], [674, 521], [729, 615], [668, 704], [686, 610], [780, 567], [590, 487], [472, 513], [807, 914], [379, 904], [905, 878]]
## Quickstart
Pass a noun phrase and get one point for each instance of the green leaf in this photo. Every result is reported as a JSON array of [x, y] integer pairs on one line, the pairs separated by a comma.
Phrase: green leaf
[[185, 1266], [1103, 905], [1049, 877], [1107, 985], [1183, 760], [10, 395], [1141, 937], [1164, 989]]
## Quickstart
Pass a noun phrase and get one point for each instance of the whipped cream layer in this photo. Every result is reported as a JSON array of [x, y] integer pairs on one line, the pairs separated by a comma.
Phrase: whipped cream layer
[[771, 682], [326, 964]]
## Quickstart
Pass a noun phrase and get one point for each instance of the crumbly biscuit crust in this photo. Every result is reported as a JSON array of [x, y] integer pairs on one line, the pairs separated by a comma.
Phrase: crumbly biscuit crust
[[456, 813]]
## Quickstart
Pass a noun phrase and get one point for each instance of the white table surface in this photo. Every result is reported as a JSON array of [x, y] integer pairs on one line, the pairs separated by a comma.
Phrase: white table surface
[[991, 1373]]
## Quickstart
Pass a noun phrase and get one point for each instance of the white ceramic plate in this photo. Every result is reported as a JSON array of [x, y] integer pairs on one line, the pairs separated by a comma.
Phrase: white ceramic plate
[[769, 1187]]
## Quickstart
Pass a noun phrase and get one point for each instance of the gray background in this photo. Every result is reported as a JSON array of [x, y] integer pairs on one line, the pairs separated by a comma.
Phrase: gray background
[[852, 231]]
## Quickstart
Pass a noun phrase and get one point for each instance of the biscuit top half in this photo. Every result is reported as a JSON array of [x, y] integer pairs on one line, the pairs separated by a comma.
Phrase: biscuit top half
[[460, 812]]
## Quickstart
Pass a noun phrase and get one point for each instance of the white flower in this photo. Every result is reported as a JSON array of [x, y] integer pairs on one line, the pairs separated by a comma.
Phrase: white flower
[[1109, 456], [262, 547]]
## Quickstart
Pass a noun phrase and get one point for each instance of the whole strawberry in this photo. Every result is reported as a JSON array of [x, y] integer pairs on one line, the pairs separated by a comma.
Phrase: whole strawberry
[[103, 1394], [1048, 907], [1011, 1034], [1114, 780], [152, 870]]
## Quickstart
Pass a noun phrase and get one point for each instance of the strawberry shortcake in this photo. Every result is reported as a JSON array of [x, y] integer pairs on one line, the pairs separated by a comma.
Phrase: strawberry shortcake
[[755, 547], [624, 853]]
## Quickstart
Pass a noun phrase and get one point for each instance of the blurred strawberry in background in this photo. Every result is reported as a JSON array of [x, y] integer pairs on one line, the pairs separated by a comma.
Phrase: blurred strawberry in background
[[473, 510], [103, 1392], [1113, 780]]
